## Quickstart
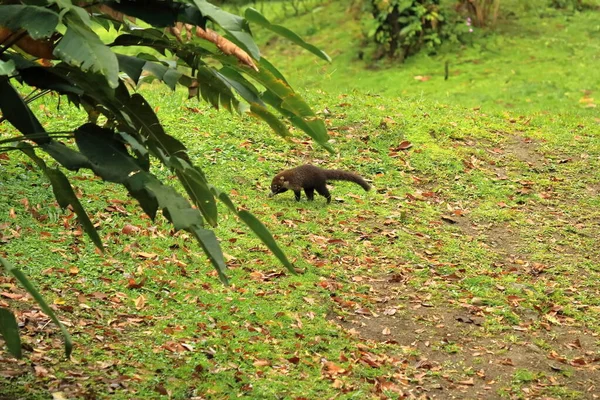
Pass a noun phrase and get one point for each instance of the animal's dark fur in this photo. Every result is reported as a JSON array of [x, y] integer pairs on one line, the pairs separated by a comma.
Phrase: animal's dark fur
[[311, 178]]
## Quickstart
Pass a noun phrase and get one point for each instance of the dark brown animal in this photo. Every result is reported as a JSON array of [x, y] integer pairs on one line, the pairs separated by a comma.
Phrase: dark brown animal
[[311, 178]]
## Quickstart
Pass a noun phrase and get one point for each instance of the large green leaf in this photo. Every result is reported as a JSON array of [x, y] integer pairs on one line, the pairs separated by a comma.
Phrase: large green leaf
[[314, 126], [265, 64], [160, 13], [7, 68], [134, 66], [232, 24], [17, 113], [20, 116], [171, 152], [174, 206], [241, 85], [145, 121], [274, 122], [66, 156], [258, 228], [96, 92], [170, 76], [136, 187], [64, 194], [177, 210], [9, 331], [212, 249], [39, 22], [111, 161], [82, 13], [141, 152], [40, 300], [214, 90], [265, 236], [108, 156], [218, 91], [280, 95], [47, 78], [81, 47], [255, 17], [197, 188], [150, 37]]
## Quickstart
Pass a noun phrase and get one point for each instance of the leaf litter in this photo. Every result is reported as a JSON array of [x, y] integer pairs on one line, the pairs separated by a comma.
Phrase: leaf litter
[[449, 283]]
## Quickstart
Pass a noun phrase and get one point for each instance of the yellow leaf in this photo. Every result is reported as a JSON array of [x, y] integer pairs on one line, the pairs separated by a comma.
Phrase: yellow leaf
[[140, 302], [229, 257], [143, 254], [261, 363]]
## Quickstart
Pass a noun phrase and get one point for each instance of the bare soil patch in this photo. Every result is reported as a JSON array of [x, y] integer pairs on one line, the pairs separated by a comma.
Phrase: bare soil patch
[[451, 356], [524, 150]]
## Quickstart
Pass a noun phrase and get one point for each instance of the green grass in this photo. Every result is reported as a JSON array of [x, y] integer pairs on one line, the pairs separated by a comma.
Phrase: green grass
[[518, 179], [537, 59]]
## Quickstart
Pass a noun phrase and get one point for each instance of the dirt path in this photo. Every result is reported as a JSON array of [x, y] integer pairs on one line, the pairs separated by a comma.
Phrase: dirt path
[[446, 348]]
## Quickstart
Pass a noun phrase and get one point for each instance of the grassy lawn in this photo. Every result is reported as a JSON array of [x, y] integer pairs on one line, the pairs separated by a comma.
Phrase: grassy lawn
[[537, 59], [470, 270]]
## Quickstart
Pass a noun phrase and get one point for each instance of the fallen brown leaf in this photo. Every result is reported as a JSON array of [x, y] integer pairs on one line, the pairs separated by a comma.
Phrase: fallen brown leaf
[[140, 302], [468, 382], [261, 363]]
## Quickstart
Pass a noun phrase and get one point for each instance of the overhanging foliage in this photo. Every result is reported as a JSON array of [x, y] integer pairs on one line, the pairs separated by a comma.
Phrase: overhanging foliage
[[54, 47]]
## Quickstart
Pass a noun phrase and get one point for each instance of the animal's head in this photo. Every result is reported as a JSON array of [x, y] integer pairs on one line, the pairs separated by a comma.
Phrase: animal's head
[[278, 185]]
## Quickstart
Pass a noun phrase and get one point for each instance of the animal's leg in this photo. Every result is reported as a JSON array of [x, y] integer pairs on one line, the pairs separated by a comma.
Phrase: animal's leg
[[324, 192], [310, 193]]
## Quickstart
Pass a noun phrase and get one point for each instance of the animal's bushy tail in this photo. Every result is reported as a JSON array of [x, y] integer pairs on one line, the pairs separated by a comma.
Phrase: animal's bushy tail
[[338, 175]]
